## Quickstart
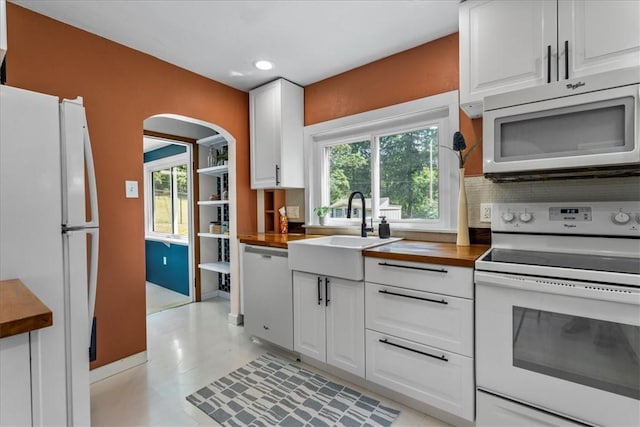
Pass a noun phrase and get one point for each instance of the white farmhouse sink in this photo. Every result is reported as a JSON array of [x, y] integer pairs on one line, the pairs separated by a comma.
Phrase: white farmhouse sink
[[338, 256]]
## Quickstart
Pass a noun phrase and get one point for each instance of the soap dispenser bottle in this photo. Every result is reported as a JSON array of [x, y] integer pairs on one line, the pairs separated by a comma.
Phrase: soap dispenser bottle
[[383, 229]]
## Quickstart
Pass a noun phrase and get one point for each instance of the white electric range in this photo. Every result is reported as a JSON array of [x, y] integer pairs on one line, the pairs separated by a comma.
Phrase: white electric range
[[558, 315]]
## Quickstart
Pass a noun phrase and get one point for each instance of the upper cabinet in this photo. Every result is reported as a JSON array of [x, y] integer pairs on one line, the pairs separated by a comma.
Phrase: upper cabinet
[[276, 115], [507, 45]]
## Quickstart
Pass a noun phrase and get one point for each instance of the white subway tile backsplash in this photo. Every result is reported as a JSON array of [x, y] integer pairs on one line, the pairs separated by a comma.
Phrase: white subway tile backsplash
[[481, 190]]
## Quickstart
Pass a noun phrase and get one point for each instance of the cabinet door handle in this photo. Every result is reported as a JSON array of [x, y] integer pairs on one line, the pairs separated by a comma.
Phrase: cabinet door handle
[[319, 290], [437, 270], [566, 59], [412, 297], [326, 291], [548, 63], [277, 175], [384, 341]]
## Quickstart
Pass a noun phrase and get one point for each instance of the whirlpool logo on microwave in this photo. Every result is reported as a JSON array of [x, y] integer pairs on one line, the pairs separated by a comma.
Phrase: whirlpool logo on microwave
[[570, 225], [574, 86]]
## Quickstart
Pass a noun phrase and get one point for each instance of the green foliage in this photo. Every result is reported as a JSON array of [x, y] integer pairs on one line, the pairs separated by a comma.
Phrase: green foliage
[[408, 171], [322, 211], [350, 170]]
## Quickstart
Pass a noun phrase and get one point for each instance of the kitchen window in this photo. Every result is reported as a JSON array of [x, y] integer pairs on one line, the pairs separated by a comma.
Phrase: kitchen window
[[394, 156], [167, 193]]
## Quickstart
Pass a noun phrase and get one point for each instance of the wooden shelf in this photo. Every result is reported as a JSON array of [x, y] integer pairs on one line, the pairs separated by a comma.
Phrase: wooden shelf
[[212, 202], [214, 236], [218, 267], [214, 170]]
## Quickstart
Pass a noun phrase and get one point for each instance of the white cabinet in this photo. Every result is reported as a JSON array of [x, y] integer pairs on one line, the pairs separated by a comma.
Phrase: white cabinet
[[419, 329], [15, 383], [598, 35], [440, 378], [268, 298], [276, 114], [214, 204], [328, 315], [507, 45]]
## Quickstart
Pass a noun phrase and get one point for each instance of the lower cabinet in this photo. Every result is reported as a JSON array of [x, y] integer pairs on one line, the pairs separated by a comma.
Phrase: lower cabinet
[[419, 329], [268, 310], [15, 381], [328, 314], [439, 378]]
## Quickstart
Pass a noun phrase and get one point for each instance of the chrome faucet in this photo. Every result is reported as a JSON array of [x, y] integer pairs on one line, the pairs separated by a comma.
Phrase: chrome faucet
[[363, 226]]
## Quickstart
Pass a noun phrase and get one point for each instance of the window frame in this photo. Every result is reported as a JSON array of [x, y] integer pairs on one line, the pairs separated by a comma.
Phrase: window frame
[[154, 166], [441, 110]]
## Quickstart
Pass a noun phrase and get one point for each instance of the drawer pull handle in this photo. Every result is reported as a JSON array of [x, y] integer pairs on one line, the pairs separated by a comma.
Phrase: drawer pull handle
[[437, 270], [412, 297], [384, 341]]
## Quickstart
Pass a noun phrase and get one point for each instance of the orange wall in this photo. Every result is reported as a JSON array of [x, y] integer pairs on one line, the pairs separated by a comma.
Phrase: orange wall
[[423, 71], [121, 87]]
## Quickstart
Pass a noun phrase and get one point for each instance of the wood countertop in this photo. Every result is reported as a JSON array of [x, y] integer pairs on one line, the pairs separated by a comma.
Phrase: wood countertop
[[404, 250], [433, 252], [20, 310], [273, 240]]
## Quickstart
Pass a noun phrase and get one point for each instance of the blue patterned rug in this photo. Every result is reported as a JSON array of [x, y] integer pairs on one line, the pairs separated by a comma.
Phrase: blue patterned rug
[[270, 391]]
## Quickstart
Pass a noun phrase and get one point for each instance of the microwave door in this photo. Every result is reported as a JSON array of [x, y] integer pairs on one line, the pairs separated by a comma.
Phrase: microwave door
[[595, 129]]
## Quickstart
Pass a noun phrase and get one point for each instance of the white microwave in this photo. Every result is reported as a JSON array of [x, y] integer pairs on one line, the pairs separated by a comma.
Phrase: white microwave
[[579, 127]]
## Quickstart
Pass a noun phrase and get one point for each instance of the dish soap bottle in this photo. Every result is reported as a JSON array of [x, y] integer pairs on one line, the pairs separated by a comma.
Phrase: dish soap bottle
[[383, 229]]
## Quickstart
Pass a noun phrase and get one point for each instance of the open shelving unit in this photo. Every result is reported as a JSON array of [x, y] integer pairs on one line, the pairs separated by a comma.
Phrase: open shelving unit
[[213, 171]]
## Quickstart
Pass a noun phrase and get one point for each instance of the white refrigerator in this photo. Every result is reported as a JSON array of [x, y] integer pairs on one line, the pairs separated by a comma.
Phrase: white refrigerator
[[49, 240]]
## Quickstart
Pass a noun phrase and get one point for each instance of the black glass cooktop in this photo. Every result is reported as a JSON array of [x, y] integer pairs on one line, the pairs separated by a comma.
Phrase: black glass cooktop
[[565, 260]]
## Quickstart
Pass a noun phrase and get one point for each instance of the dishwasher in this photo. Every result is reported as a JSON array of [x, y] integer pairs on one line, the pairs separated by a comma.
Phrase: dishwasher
[[268, 295]]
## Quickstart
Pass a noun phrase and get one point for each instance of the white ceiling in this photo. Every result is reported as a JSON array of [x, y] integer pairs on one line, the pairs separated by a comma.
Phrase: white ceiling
[[308, 40]]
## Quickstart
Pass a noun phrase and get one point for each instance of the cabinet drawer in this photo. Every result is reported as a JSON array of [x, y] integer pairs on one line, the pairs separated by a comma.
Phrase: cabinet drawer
[[432, 319], [417, 371], [494, 411], [441, 279]]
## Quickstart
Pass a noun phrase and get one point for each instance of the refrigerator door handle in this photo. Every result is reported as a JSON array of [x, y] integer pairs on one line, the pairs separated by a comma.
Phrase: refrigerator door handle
[[93, 272], [91, 177]]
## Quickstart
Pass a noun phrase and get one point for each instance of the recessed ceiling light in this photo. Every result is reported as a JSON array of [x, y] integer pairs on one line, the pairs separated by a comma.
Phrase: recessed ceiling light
[[263, 65]]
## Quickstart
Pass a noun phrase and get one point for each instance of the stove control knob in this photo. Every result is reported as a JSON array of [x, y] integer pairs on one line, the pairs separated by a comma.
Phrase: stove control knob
[[526, 217], [508, 216], [621, 218], [638, 218]]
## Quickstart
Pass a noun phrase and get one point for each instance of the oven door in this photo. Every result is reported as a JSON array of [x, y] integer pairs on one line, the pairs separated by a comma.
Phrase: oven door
[[570, 347]]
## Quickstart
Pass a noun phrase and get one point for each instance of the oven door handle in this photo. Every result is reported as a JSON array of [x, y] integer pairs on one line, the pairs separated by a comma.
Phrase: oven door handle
[[559, 286]]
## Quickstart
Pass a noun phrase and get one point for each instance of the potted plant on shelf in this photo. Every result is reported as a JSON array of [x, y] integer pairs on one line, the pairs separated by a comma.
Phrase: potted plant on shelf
[[322, 212]]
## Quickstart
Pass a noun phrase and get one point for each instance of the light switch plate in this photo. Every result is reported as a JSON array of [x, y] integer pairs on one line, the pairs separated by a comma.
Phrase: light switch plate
[[131, 189]]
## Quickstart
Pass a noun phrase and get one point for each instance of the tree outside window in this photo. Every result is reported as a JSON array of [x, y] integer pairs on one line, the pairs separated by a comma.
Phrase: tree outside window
[[170, 201]]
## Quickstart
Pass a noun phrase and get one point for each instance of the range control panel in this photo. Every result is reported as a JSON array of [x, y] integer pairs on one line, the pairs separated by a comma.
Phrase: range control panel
[[589, 218]]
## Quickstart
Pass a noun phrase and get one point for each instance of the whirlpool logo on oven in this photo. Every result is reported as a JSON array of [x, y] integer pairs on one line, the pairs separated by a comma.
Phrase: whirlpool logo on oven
[[570, 225], [574, 86]]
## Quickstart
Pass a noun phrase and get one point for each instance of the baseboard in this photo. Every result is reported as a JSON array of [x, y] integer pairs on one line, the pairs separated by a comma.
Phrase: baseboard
[[224, 295], [209, 295], [235, 319], [118, 366]]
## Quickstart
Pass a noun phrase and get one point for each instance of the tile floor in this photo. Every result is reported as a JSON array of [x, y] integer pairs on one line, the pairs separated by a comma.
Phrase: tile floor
[[187, 348], [159, 298]]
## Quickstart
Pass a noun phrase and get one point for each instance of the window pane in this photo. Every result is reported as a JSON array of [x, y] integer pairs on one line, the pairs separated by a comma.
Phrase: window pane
[[409, 175], [162, 218], [182, 202], [349, 170]]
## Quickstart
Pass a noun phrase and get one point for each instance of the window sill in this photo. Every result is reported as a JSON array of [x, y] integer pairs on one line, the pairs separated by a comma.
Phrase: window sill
[[168, 240], [406, 233]]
